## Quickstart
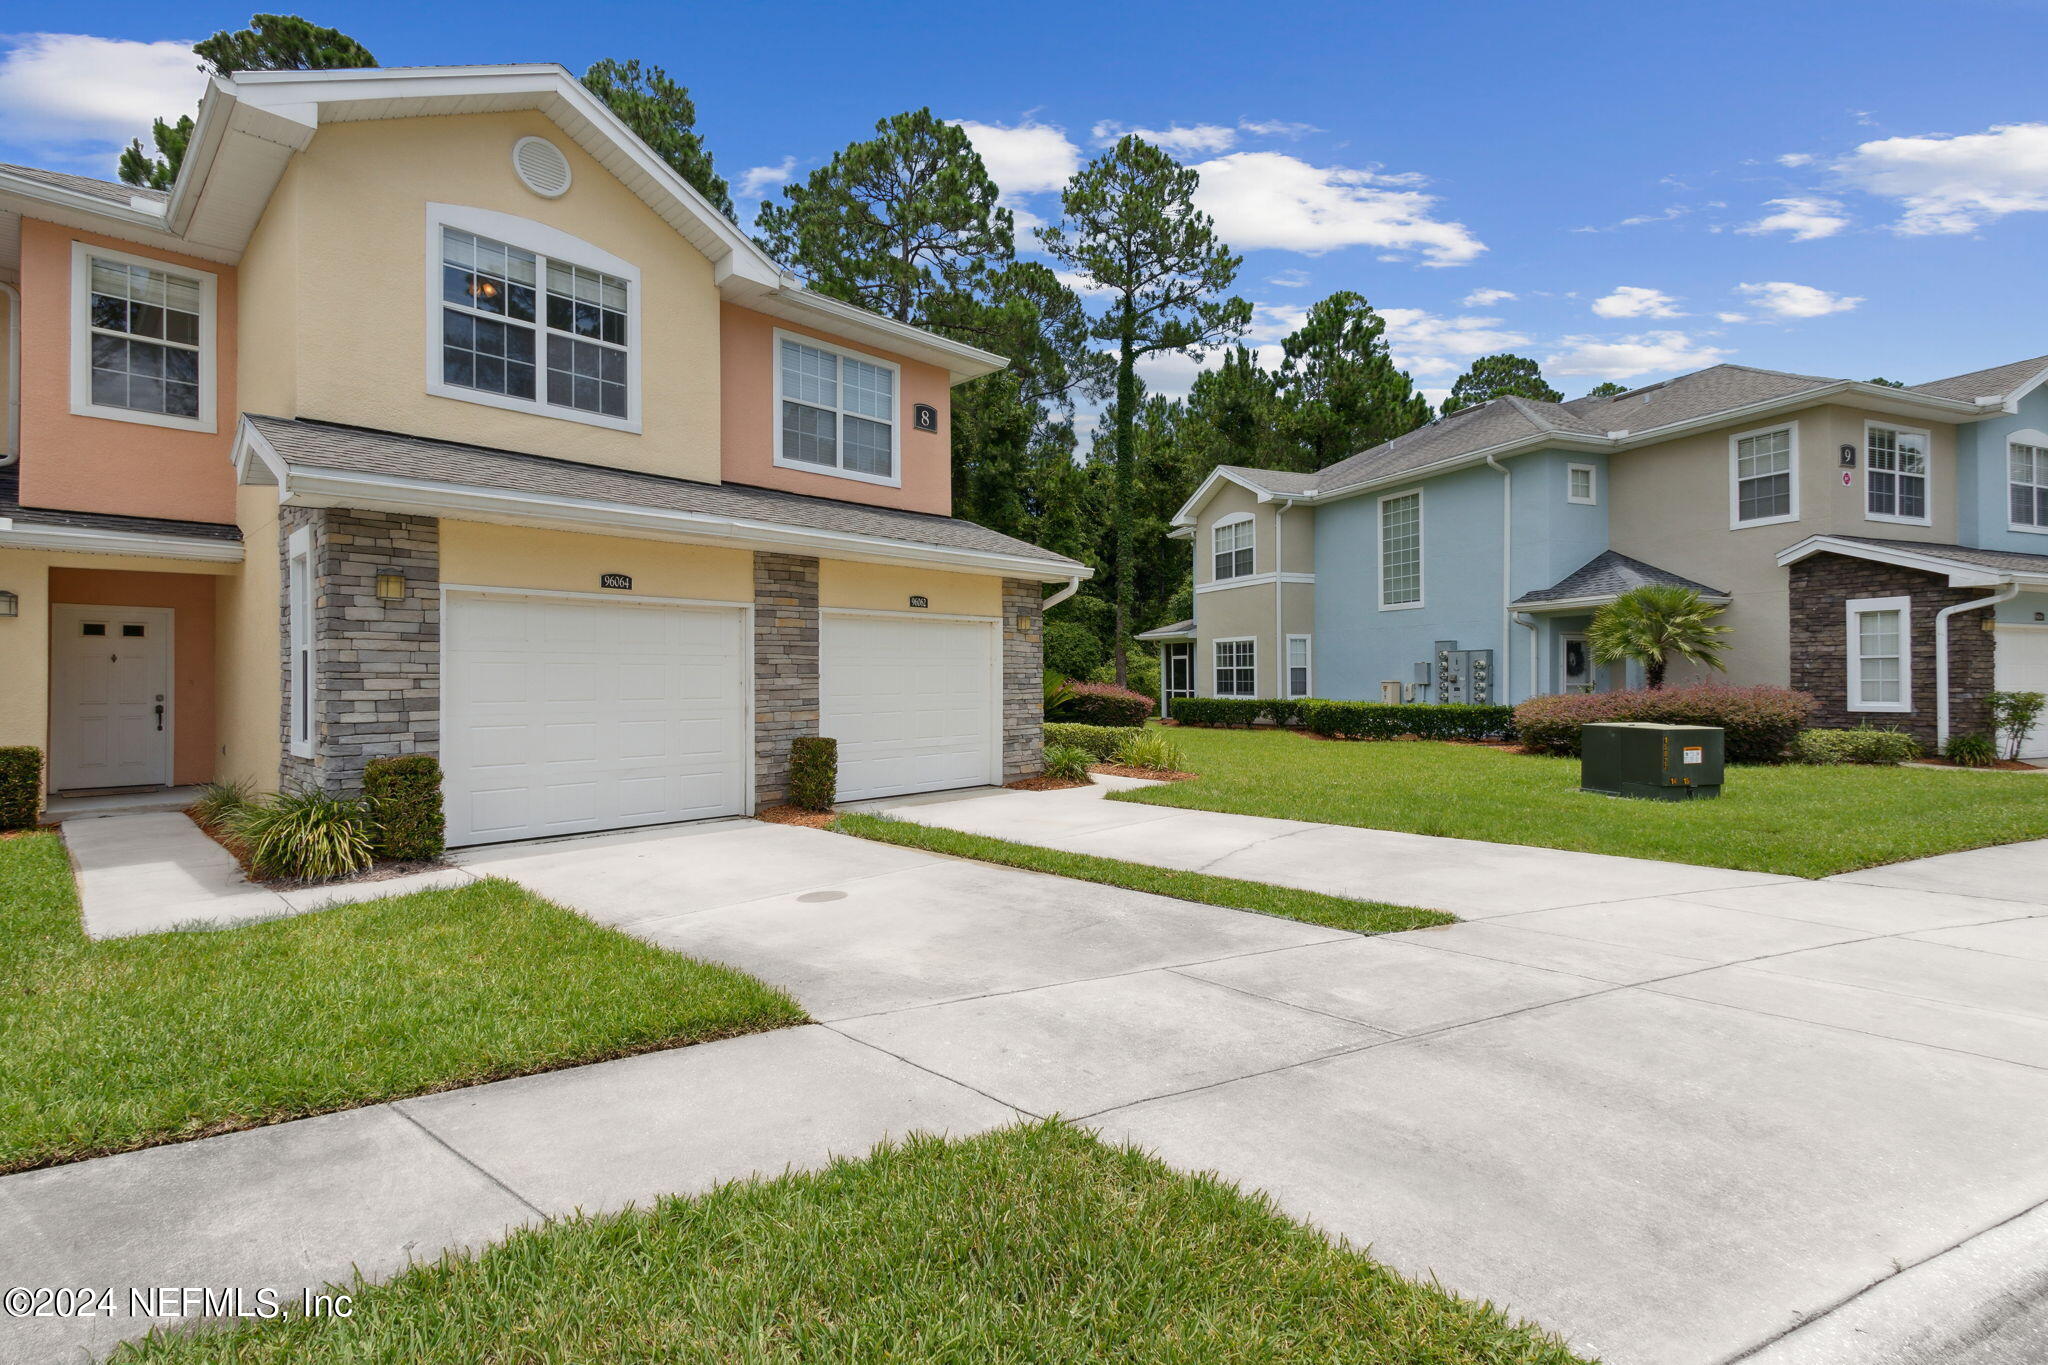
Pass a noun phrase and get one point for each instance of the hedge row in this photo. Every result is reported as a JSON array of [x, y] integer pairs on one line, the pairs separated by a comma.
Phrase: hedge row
[[1232, 711], [1384, 720], [1100, 742], [1866, 745], [1759, 721]]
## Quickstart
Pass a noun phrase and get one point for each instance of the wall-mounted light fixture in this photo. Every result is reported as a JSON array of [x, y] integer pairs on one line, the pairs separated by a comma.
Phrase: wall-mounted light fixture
[[10, 603], [390, 587]]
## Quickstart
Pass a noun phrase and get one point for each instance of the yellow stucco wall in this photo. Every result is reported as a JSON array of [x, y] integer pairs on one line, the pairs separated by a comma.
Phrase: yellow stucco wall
[[481, 554], [343, 254], [880, 587], [247, 625]]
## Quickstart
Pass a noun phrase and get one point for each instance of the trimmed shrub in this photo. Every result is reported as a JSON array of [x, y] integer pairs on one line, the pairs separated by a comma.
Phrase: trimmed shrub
[[1863, 745], [1067, 762], [21, 786], [1970, 751], [1100, 704], [403, 797], [1226, 711], [1383, 720], [218, 802], [813, 772], [1150, 749], [1759, 721], [304, 836], [1101, 741]]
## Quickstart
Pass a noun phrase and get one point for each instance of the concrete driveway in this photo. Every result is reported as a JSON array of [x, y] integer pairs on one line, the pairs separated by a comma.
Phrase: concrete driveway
[[1677, 1115]]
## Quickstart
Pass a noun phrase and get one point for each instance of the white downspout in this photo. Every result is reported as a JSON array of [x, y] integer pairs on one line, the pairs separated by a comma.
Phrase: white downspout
[[1073, 586], [2004, 594], [1506, 687], [13, 450], [1280, 597]]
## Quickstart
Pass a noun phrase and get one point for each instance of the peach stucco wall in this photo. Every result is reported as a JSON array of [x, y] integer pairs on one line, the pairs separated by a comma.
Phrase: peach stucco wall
[[747, 344], [94, 464], [190, 597]]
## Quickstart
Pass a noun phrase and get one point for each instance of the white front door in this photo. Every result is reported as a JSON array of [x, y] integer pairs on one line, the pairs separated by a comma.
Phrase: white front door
[[915, 704], [566, 715], [110, 697], [2021, 665]]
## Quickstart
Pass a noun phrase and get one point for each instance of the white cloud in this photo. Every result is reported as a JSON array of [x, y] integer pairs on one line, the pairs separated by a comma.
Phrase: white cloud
[[1634, 301], [1627, 357], [1732, 317], [1172, 374], [759, 180], [1079, 283], [1953, 185], [1289, 279], [1785, 300], [65, 89], [1271, 321], [1274, 127], [1272, 200], [1665, 216], [1486, 298], [1184, 139], [1425, 343], [1796, 159], [1807, 218], [1024, 158]]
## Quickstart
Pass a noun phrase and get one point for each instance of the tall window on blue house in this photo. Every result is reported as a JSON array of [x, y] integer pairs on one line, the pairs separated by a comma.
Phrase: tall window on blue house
[[1401, 550], [2027, 485]]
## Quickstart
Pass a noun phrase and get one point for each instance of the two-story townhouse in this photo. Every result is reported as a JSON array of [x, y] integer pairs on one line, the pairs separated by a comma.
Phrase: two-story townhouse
[[430, 411], [1878, 547]]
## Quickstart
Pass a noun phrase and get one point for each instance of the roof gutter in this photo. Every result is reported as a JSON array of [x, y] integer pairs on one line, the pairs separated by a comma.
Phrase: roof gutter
[[2004, 594]]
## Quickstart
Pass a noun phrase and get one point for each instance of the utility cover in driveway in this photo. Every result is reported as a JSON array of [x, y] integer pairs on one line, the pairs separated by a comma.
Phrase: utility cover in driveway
[[911, 702], [563, 716]]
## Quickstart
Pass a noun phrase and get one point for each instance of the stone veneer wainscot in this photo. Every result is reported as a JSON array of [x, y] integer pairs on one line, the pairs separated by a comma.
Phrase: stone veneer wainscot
[[785, 666]]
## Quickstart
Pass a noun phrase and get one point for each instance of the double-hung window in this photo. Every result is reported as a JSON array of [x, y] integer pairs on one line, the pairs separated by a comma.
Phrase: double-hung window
[[1401, 550], [1897, 476], [1237, 673], [1233, 546], [1581, 484], [1879, 640], [2027, 485], [837, 411], [142, 340], [1766, 474], [529, 318], [1297, 666]]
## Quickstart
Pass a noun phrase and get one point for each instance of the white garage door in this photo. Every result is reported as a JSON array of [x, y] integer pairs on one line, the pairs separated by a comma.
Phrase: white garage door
[[913, 703], [2022, 666], [562, 716]]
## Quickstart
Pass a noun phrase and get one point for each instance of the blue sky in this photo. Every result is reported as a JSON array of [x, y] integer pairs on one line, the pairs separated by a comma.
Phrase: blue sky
[[1623, 191]]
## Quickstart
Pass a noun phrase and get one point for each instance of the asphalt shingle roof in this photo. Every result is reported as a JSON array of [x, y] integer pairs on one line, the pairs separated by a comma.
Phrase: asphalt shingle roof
[[1609, 574], [1995, 382], [359, 450], [11, 508], [1177, 628], [1280, 481], [113, 191], [2014, 561]]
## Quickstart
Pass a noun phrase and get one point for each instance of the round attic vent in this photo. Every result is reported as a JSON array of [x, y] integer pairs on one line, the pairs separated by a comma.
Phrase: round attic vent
[[541, 167]]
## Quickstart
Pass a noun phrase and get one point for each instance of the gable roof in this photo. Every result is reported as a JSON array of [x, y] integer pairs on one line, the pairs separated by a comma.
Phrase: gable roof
[[113, 191], [2000, 382], [1965, 565], [1606, 576], [322, 464]]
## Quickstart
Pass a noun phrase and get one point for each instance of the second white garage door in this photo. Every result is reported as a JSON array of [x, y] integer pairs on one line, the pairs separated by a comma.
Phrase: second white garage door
[[564, 715], [2021, 665], [912, 702]]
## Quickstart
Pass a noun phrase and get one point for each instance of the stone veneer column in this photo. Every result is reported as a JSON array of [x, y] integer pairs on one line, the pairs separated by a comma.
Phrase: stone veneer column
[[376, 665], [1023, 679], [785, 666], [1822, 587]]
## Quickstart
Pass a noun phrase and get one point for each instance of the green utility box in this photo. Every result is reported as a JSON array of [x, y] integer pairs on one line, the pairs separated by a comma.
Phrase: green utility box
[[1651, 762]]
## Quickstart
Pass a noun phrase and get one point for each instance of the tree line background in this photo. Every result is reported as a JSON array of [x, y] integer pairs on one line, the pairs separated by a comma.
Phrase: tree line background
[[909, 224]]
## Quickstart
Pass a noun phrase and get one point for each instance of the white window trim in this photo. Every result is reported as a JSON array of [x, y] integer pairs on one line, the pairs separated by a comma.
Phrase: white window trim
[[1308, 656], [1735, 521], [1857, 607], [553, 243], [82, 254], [1235, 519], [1927, 443], [895, 479], [2029, 437], [299, 708], [1216, 668], [1592, 472], [1421, 551]]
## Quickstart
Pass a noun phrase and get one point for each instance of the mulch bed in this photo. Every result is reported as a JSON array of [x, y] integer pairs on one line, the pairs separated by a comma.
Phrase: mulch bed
[[375, 872], [1043, 784], [797, 815], [1152, 774]]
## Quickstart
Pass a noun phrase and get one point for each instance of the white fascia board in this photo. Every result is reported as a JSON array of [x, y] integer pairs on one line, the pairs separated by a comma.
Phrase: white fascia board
[[961, 361], [98, 541], [1959, 574], [308, 487], [1190, 509], [2011, 403]]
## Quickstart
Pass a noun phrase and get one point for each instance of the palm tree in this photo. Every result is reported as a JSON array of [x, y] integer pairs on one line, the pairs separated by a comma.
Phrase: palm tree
[[1652, 624]]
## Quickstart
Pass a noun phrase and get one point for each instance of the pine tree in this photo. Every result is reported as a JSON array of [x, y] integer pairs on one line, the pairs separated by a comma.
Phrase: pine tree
[[662, 115], [1606, 388], [1340, 391], [1131, 227], [1496, 376]]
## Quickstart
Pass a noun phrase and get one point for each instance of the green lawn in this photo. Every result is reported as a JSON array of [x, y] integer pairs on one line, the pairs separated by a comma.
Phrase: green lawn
[[1801, 821], [1033, 1244], [1361, 917], [131, 1042]]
